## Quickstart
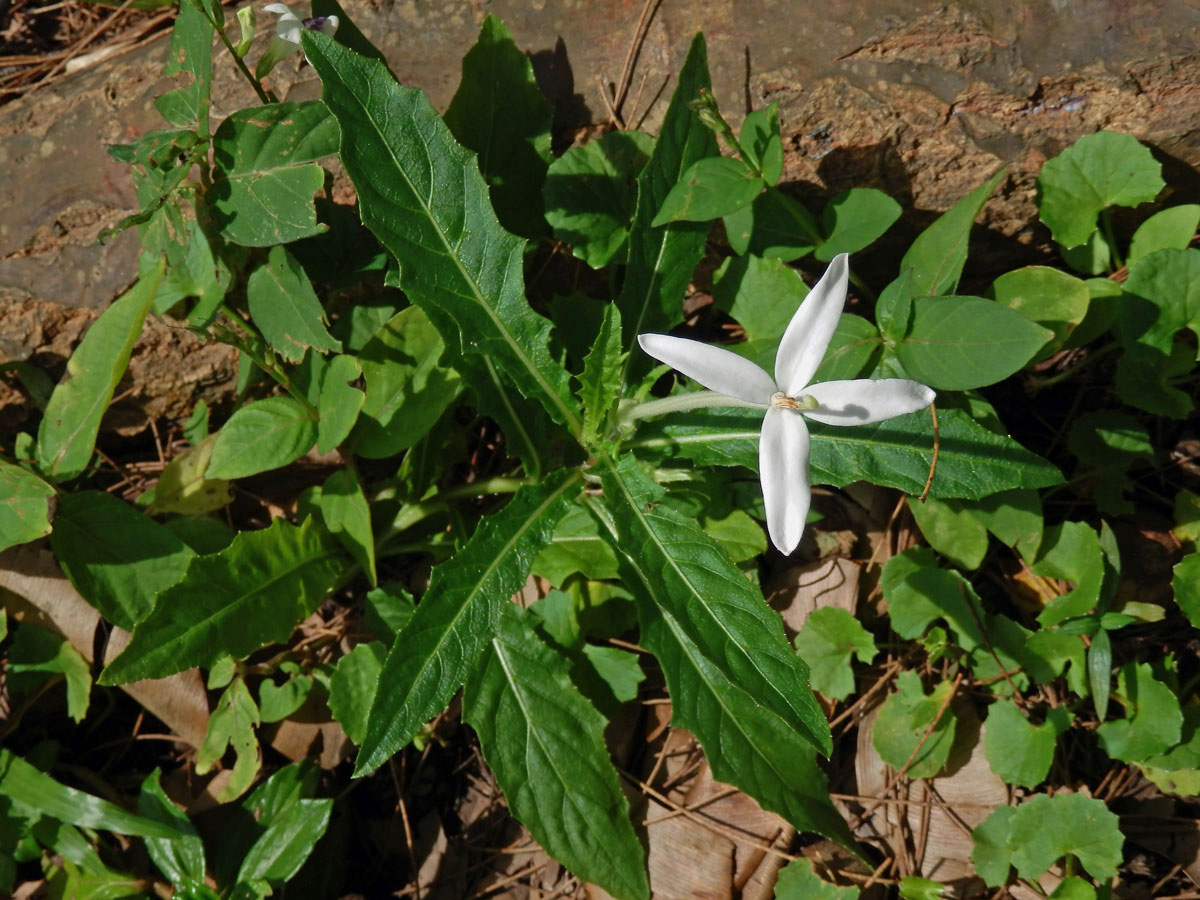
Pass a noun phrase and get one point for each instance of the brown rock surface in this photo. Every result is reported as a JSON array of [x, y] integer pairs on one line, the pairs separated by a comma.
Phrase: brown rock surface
[[919, 99]]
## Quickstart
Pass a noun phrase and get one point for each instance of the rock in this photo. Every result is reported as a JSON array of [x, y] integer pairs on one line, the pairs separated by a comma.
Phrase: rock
[[922, 101]]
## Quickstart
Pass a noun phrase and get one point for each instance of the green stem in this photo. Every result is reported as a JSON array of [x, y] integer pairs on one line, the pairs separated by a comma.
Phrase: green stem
[[263, 96], [862, 287], [1110, 236], [270, 366], [411, 514], [679, 402]]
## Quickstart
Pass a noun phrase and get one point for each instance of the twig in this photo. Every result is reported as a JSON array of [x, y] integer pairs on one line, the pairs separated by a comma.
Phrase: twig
[[936, 446]]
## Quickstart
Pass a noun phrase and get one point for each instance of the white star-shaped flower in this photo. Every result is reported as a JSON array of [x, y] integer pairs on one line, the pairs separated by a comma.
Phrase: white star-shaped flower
[[789, 398], [287, 35]]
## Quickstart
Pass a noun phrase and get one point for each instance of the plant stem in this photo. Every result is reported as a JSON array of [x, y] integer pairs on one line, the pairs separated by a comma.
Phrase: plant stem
[[270, 366], [1110, 236], [263, 96], [678, 402]]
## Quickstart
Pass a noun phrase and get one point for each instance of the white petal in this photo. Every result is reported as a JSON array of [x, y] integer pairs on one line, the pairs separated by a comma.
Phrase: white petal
[[863, 401], [808, 334], [330, 25], [715, 368], [783, 470], [280, 9]]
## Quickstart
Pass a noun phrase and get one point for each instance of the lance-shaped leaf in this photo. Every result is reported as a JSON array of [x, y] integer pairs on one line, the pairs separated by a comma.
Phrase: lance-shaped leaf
[[23, 783], [266, 175], [25, 502], [500, 113], [972, 461], [248, 595], [423, 197], [69, 427], [746, 743], [600, 381], [938, 254], [441, 645], [118, 559], [662, 259], [702, 590], [263, 435], [544, 742]]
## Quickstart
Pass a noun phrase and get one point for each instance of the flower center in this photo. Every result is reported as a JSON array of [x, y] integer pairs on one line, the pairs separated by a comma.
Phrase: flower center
[[780, 400]]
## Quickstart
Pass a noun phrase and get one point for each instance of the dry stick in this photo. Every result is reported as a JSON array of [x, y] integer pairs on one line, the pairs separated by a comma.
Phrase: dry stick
[[516, 876], [923, 829], [879, 684], [707, 801], [1158, 884], [862, 816], [886, 529], [635, 45], [1020, 701], [899, 801], [753, 861], [74, 49], [936, 446]]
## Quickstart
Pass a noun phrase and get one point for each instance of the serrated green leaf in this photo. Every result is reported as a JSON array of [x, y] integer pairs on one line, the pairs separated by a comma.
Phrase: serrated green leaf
[[591, 191], [408, 388], [1017, 750], [959, 343], [1046, 828], [829, 638], [500, 113], [231, 603], [118, 559], [705, 593], [191, 55], [903, 722], [263, 435], [67, 435], [972, 461], [1153, 721], [1098, 171], [25, 502], [1070, 551], [352, 687], [662, 259], [709, 189], [456, 618], [266, 174], [340, 401], [951, 530], [456, 263], [747, 744], [36, 655], [545, 743], [938, 254], [855, 219], [600, 381], [1169, 229], [180, 858], [798, 881], [22, 783], [285, 308], [347, 515], [774, 226]]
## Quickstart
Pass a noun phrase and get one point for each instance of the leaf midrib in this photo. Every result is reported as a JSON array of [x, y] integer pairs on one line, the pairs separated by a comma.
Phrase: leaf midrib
[[568, 415]]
